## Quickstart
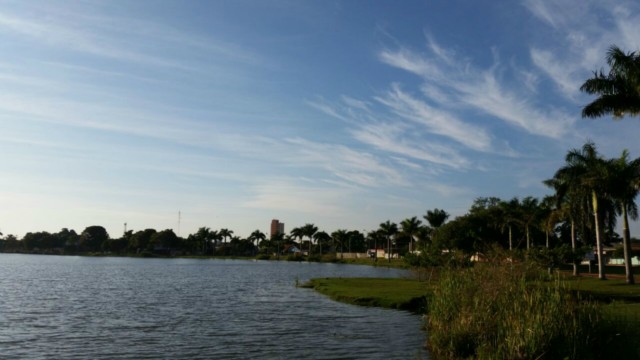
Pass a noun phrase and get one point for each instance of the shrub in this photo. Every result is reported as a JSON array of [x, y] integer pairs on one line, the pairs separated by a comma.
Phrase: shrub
[[493, 311], [263, 257], [293, 257]]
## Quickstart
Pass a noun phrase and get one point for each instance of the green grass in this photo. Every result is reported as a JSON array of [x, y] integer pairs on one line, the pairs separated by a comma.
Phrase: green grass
[[404, 294]]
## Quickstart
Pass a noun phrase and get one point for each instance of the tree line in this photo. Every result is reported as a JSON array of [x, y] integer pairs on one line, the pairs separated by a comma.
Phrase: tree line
[[590, 194]]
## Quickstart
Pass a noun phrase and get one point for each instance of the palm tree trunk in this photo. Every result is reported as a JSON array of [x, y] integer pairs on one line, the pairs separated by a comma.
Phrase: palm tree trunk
[[528, 242], [601, 268], [626, 238], [510, 239], [576, 269], [547, 236]]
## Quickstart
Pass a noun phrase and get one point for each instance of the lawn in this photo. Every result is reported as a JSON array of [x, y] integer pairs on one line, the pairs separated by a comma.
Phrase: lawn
[[404, 294]]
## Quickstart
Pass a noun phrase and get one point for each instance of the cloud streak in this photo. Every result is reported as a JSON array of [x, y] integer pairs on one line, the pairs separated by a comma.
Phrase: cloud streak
[[480, 90]]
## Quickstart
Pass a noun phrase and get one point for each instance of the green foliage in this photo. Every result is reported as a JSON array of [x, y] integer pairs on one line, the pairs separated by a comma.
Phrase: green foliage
[[92, 238], [293, 257], [263, 257], [494, 312]]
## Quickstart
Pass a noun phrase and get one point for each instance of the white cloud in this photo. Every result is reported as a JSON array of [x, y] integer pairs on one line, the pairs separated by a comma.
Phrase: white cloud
[[291, 195], [561, 74], [434, 120], [358, 167], [481, 90], [390, 138]]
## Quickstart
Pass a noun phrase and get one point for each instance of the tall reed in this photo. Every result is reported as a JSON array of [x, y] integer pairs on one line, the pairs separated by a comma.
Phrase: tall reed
[[508, 311]]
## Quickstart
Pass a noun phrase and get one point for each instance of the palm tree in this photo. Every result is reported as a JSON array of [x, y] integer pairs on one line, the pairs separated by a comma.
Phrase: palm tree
[[309, 230], [619, 90], [257, 236], [340, 236], [529, 214], [410, 228], [508, 216], [390, 230], [203, 237], [436, 217], [321, 236], [586, 170], [297, 233], [570, 205], [224, 234], [625, 182]]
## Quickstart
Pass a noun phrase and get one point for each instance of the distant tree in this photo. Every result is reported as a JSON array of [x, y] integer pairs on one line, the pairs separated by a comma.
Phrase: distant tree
[[297, 233], [309, 230], [92, 237], [321, 237], [339, 237], [436, 217], [225, 233], [141, 240], [356, 241], [410, 228], [390, 230], [257, 236], [165, 241], [37, 241]]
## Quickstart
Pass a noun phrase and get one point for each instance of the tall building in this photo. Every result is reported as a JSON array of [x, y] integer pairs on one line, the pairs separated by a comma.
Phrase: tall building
[[276, 227]]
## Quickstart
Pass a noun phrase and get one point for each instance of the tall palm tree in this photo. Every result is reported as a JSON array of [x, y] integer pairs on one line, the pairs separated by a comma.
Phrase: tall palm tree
[[436, 217], [390, 230], [619, 90], [203, 237], [509, 215], [625, 183], [225, 233], [297, 233], [586, 170], [530, 214], [257, 236], [309, 230], [340, 236], [572, 203], [321, 236], [410, 228]]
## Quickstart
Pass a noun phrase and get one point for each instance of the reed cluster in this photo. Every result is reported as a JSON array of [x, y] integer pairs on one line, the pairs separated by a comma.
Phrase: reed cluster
[[509, 311]]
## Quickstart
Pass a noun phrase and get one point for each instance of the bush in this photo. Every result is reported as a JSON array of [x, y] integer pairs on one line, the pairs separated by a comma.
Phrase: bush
[[493, 312], [293, 257], [315, 258], [263, 257]]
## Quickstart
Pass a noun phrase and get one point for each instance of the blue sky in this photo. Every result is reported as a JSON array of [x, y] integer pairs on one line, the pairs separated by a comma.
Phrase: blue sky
[[340, 113]]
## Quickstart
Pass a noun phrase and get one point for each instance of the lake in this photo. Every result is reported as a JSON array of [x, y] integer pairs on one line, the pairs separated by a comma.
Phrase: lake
[[73, 307]]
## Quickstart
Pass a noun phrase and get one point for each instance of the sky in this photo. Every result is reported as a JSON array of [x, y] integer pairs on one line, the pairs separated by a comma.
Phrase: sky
[[345, 114]]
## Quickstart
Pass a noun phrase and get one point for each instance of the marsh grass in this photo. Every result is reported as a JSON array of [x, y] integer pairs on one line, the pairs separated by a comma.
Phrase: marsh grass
[[510, 311]]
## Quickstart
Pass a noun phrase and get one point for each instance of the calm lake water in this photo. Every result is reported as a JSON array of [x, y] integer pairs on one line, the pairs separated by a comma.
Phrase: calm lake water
[[67, 307]]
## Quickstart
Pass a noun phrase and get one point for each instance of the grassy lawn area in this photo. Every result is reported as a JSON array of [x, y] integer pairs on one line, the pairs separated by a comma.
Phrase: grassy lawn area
[[622, 301], [404, 294]]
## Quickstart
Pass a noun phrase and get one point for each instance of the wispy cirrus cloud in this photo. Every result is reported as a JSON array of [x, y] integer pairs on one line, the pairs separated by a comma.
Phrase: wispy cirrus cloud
[[435, 121], [120, 38], [401, 126], [358, 167], [292, 195], [589, 30], [391, 138], [458, 81]]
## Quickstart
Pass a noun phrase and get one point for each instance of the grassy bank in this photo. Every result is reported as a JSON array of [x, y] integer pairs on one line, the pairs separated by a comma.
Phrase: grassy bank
[[499, 312], [404, 294]]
